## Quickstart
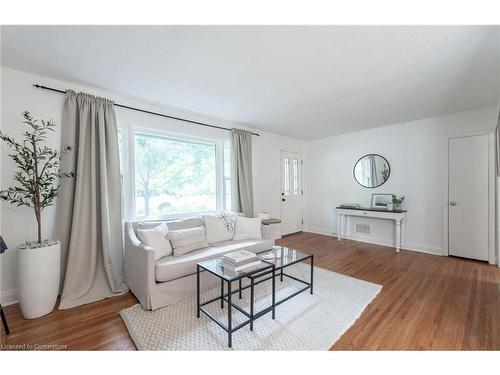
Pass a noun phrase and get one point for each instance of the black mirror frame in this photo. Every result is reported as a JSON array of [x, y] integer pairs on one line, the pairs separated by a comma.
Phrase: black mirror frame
[[371, 187]]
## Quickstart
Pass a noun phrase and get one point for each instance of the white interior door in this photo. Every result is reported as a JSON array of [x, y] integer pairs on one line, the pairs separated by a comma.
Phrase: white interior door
[[291, 192], [468, 197]]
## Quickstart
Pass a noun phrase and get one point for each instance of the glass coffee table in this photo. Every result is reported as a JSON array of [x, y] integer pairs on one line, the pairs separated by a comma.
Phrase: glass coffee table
[[268, 269], [285, 257], [228, 276]]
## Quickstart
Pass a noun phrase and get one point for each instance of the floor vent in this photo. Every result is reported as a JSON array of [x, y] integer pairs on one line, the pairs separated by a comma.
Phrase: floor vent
[[363, 228]]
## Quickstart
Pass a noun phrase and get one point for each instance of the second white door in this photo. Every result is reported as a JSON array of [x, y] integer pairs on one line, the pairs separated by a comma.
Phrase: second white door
[[468, 197], [291, 192]]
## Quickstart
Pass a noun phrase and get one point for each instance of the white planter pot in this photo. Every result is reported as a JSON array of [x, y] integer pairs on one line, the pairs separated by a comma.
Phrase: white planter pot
[[38, 273]]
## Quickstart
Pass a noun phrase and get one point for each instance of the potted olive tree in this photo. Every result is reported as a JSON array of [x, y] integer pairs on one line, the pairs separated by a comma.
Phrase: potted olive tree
[[37, 177]]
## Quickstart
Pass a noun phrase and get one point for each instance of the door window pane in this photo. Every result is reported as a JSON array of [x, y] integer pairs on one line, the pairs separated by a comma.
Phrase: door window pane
[[287, 176], [295, 177], [173, 176]]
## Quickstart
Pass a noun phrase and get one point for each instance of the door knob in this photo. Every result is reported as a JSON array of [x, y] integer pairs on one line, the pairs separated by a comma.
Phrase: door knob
[[453, 203], [283, 199]]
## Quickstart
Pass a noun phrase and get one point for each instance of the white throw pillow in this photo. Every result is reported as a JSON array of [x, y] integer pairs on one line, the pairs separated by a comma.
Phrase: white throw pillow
[[186, 240], [157, 238], [247, 228], [219, 227]]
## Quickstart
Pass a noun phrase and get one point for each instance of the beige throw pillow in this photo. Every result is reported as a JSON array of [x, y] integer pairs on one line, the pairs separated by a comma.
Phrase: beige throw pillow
[[187, 240], [219, 226], [157, 238], [247, 228]]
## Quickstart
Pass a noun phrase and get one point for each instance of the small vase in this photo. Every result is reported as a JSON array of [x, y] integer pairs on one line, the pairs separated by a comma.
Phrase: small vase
[[397, 207]]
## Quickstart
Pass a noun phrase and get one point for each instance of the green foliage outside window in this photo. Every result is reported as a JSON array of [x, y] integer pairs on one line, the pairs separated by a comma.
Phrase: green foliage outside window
[[173, 176]]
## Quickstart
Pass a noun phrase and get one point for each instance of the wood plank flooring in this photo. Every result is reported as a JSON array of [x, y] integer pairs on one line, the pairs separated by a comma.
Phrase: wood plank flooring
[[427, 302]]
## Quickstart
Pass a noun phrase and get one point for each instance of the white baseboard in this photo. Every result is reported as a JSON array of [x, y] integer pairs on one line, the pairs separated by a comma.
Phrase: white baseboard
[[8, 297], [422, 248]]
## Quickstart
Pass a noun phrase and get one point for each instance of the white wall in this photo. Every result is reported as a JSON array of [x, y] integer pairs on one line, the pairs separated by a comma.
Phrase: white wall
[[417, 153], [17, 94], [415, 150]]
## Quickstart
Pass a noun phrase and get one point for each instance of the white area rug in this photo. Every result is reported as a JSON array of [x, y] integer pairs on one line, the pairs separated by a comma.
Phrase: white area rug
[[305, 322]]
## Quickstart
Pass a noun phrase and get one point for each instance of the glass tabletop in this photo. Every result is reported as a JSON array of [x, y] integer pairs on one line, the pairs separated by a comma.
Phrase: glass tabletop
[[214, 266], [284, 256]]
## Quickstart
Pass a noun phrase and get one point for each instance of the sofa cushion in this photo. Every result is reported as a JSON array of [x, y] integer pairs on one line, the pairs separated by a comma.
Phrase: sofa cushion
[[219, 226], [170, 268], [247, 228], [157, 238], [187, 240]]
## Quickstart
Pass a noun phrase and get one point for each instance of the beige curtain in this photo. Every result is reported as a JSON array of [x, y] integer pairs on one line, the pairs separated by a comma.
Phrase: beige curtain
[[497, 134], [241, 168], [89, 205]]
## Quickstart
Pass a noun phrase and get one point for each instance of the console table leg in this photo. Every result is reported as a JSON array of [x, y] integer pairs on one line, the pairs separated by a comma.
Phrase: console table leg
[[344, 226], [229, 316], [398, 235], [339, 227], [402, 236], [239, 294]]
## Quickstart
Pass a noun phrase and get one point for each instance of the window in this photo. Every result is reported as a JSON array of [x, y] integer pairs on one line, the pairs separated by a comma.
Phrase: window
[[175, 176]]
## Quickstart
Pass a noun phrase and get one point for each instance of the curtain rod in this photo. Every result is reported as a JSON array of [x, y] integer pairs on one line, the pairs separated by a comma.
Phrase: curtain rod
[[144, 110]]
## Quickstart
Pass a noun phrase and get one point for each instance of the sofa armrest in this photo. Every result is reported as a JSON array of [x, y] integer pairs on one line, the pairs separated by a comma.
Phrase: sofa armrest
[[139, 267]]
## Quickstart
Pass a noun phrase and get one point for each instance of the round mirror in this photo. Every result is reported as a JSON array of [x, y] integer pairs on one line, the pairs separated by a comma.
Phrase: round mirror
[[372, 170]]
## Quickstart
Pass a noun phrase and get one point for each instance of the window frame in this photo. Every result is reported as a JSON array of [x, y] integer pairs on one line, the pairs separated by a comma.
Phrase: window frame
[[227, 204], [128, 135]]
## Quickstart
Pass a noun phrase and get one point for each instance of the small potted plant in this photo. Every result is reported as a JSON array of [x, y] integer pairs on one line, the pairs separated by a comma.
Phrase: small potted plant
[[397, 202], [37, 178]]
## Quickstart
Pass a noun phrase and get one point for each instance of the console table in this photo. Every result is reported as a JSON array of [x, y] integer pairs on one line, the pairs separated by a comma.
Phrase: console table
[[398, 216]]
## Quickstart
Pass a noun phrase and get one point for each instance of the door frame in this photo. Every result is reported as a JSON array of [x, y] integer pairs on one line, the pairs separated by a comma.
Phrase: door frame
[[492, 258], [301, 184]]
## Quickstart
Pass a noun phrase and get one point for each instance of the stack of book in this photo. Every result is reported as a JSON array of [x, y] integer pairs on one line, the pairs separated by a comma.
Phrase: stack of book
[[239, 260]]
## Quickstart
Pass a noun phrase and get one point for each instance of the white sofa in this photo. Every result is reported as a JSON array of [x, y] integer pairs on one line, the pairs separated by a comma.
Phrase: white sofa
[[172, 278]]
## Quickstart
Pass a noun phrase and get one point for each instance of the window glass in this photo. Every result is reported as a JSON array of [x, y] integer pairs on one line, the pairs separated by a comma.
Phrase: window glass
[[287, 176], [295, 177], [173, 176]]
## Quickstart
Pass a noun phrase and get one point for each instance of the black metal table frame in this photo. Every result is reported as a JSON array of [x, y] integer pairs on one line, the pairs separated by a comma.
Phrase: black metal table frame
[[227, 297], [309, 285], [4, 321], [254, 280]]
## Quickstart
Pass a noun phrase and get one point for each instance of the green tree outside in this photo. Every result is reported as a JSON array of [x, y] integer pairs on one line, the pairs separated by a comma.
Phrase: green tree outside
[[173, 176]]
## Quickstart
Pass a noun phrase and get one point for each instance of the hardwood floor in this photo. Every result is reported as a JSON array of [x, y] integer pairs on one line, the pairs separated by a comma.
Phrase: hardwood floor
[[427, 302]]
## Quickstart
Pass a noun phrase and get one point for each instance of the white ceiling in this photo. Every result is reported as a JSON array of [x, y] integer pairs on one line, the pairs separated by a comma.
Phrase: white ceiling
[[301, 81]]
